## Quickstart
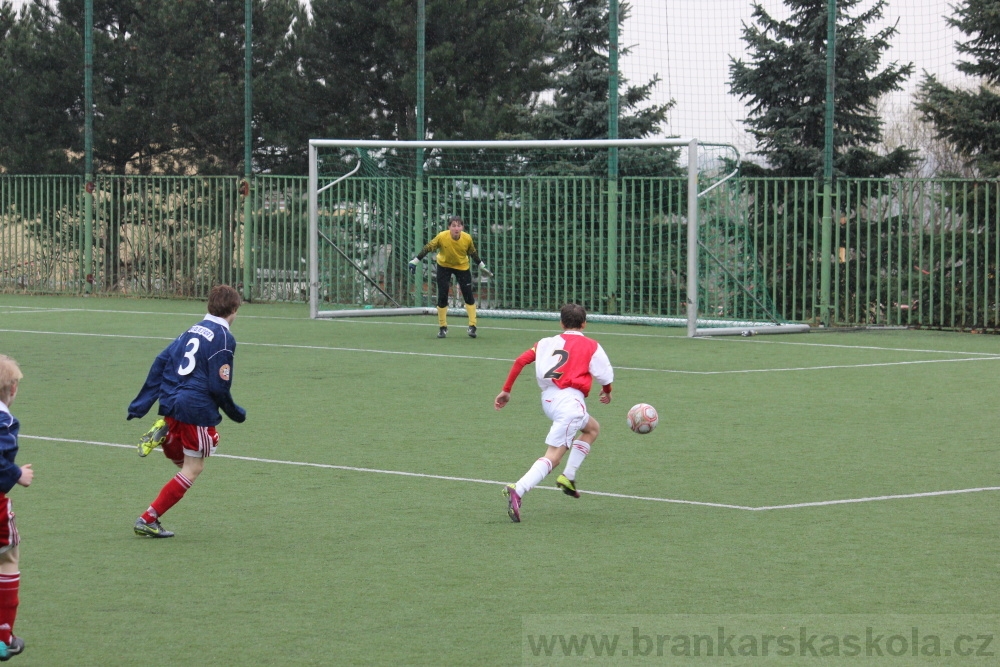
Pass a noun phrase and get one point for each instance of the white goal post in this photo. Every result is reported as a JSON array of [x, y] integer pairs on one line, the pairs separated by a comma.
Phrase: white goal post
[[696, 326]]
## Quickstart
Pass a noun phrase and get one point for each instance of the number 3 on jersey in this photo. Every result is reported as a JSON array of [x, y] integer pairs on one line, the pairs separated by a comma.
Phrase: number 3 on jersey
[[554, 373], [189, 361]]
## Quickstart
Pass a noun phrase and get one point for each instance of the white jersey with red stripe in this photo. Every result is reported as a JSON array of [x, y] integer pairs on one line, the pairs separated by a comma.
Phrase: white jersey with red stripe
[[571, 361]]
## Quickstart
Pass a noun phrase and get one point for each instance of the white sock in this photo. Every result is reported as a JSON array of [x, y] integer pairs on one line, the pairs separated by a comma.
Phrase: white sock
[[577, 453], [536, 473]]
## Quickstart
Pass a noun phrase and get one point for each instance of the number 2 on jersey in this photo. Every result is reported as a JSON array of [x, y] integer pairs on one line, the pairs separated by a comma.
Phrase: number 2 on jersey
[[189, 361], [554, 373]]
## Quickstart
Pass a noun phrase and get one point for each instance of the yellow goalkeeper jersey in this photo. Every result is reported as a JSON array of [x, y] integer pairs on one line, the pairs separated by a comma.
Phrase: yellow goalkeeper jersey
[[451, 253]]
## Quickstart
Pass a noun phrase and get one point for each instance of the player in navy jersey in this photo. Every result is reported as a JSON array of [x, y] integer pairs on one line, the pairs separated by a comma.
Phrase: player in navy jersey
[[10, 474], [191, 379], [565, 367]]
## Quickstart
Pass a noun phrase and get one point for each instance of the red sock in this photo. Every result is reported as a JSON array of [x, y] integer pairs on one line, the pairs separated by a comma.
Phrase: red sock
[[169, 496], [9, 583]]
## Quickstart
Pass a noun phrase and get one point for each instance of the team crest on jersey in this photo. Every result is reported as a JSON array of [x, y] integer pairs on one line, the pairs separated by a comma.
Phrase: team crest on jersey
[[225, 372]]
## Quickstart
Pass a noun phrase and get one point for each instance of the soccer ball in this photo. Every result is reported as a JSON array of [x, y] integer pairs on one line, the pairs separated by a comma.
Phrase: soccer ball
[[642, 418]]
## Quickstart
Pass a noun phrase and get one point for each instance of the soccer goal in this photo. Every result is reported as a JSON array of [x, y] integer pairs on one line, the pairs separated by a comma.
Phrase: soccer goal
[[610, 224]]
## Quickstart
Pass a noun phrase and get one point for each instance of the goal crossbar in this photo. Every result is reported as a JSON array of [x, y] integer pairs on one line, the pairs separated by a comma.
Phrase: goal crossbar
[[514, 143]]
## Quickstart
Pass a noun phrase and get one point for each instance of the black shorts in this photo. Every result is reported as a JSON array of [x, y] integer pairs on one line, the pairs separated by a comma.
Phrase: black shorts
[[464, 280]]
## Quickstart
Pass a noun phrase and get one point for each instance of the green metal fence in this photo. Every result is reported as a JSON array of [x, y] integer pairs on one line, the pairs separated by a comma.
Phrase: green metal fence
[[914, 252], [41, 240], [547, 238]]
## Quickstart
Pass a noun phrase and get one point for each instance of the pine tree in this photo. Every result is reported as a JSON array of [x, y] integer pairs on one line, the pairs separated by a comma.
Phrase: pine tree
[[970, 120], [168, 85], [580, 104], [485, 61], [38, 86], [784, 83]]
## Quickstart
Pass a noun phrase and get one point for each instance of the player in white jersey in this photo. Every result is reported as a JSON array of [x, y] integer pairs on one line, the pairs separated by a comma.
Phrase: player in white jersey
[[566, 367]]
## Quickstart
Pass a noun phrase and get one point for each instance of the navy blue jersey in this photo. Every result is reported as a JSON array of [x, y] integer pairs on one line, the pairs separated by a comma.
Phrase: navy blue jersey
[[192, 377], [9, 426]]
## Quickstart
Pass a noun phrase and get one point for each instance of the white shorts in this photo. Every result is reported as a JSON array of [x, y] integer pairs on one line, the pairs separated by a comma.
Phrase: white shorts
[[568, 412]]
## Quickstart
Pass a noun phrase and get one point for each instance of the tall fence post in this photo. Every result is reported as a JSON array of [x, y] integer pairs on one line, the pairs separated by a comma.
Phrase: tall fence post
[[611, 305], [826, 244], [88, 146], [246, 187]]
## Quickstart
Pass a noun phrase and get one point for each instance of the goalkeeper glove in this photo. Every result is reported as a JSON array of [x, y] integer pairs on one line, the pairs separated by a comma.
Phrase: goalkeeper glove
[[413, 265], [486, 272]]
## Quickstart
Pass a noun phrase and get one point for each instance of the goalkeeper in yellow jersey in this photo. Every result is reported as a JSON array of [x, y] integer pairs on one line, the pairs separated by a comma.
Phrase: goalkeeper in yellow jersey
[[455, 248]]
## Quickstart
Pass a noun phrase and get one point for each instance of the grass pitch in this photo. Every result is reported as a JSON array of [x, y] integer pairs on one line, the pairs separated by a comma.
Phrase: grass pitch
[[789, 476]]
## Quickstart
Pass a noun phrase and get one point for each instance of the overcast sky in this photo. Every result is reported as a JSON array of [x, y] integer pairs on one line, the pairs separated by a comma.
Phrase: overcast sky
[[688, 43]]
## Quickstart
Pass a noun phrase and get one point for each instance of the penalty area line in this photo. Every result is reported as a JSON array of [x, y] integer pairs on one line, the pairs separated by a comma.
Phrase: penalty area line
[[450, 478], [304, 464], [401, 473], [872, 499]]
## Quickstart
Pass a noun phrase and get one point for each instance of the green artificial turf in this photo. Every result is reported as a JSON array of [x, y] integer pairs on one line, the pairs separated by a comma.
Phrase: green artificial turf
[[307, 551]]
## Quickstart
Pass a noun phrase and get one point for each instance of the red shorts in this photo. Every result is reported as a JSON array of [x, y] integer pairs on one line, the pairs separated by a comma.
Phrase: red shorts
[[8, 529], [188, 440]]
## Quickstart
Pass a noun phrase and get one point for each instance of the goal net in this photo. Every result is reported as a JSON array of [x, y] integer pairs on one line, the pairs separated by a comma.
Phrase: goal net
[[610, 224]]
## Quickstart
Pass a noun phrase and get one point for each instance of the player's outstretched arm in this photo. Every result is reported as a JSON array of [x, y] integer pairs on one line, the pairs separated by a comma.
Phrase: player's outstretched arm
[[527, 357], [150, 391]]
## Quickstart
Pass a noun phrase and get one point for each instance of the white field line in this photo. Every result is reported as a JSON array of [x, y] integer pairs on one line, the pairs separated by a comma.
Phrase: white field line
[[812, 368], [27, 310], [378, 322], [552, 329], [474, 480], [872, 499], [847, 347], [278, 345], [21, 310], [483, 358]]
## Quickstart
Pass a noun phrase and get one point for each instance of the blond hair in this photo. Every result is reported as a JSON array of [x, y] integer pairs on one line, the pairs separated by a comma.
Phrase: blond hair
[[10, 375]]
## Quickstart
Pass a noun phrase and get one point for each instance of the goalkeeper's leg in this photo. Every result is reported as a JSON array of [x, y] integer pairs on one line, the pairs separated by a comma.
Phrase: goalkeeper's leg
[[444, 286], [465, 284]]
